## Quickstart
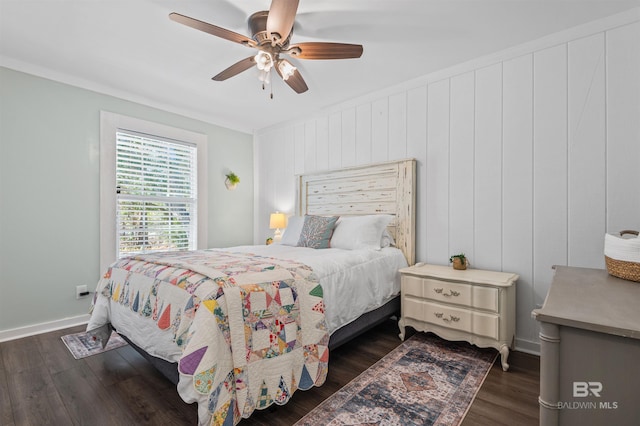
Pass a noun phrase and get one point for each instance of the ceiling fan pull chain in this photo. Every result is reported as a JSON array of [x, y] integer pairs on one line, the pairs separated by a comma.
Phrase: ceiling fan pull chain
[[271, 84]]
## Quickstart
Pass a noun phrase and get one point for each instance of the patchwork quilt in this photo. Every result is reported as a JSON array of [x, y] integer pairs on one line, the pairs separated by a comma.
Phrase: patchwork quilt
[[247, 331]]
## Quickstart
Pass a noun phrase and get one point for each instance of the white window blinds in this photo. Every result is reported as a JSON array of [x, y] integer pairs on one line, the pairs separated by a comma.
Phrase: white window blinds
[[156, 194]]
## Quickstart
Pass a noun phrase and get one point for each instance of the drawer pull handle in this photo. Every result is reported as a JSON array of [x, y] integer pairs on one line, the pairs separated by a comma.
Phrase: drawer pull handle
[[450, 319], [451, 292]]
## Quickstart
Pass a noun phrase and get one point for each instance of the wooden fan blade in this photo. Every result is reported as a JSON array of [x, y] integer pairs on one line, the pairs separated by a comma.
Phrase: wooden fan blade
[[295, 81], [282, 14], [323, 50], [212, 29], [235, 69]]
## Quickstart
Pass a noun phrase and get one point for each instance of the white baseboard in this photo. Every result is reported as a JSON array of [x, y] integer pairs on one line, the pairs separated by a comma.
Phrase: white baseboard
[[526, 346], [45, 327]]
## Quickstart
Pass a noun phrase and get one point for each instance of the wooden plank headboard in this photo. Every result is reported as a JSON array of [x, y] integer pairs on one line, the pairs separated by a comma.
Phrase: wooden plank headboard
[[382, 188]]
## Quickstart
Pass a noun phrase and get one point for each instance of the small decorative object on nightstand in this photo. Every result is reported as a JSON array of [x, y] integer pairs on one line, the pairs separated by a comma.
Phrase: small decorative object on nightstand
[[459, 261], [472, 305]]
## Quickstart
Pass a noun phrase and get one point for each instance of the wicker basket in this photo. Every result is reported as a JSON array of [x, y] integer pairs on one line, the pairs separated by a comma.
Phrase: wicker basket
[[622, 256]]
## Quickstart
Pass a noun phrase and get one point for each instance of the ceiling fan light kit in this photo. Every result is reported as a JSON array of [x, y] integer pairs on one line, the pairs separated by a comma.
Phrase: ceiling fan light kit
[[271, 33], [286, 69]]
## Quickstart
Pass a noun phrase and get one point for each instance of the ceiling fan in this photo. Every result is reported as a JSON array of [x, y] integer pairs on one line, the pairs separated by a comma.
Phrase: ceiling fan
[[271, 34]]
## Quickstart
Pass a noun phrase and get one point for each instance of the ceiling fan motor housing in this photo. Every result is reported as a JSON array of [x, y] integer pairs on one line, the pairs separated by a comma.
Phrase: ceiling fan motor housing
[[258, 28]]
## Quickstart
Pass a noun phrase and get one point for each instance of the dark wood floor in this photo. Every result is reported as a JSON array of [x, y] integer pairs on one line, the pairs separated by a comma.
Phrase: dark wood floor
[[41, 384]]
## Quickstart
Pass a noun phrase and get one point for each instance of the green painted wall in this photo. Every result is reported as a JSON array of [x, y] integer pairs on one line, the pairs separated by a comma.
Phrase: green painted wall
[[49, 192]]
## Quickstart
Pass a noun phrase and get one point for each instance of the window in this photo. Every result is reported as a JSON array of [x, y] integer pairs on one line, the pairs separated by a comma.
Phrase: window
[[152, 188], [156, 193]]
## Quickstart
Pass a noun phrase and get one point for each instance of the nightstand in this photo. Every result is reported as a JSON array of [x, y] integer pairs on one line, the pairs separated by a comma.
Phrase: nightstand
[[473, 305]]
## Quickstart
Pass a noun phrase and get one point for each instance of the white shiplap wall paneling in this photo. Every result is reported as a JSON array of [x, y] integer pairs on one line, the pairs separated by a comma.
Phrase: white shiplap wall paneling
[[524, 159], [380, 130], [335, 140], [587, 147], [517, 186], [349, 137], [322, 143], [397, 126], [623, 127], [550, 165], [417, 148], [437, 167], [298, 148], [283, 167], [277, 164], [363, 134], [488, 174], [461, 165], [310, 145]]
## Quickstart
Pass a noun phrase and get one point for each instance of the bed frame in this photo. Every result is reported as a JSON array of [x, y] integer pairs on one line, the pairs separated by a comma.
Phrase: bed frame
[[382, 188]]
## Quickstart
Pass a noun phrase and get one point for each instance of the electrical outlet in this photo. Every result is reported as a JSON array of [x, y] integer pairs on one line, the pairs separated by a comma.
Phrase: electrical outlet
[[81, 291]]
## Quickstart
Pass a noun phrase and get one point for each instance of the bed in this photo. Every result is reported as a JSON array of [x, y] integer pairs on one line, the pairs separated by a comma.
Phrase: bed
[[242, 328]]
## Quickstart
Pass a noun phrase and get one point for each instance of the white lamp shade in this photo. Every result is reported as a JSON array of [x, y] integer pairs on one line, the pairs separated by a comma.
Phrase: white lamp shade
[[277, 221]]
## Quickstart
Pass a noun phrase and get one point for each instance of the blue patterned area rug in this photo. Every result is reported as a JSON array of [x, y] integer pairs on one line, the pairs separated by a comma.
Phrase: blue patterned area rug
[[424, 381]]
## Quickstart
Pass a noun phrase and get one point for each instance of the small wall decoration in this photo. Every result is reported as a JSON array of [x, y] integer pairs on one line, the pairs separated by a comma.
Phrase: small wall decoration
[[232, 180]]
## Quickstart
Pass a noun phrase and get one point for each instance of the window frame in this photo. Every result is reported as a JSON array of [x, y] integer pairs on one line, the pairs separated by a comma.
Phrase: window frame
[[110, 124]]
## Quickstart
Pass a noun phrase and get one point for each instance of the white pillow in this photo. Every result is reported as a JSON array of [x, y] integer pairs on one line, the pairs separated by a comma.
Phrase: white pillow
[[360, 232], [387, 240], [292, 232]]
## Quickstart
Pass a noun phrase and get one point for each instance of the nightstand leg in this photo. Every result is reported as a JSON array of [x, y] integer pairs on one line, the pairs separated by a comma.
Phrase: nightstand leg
[[504, 355], [401, 326]]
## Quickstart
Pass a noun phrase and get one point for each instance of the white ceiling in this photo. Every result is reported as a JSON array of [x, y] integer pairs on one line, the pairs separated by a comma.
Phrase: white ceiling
[[130, 48]]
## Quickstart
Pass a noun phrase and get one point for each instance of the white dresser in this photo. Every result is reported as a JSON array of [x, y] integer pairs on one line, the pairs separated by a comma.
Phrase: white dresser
[[472, 305]]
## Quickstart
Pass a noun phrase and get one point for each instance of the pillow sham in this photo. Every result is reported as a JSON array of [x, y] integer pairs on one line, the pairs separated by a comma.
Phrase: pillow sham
[[316, 231], [387, 240], [360, 232], [292, 232]]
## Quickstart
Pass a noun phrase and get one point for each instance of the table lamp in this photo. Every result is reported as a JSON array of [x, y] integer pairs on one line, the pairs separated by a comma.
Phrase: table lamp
[[276, 221]]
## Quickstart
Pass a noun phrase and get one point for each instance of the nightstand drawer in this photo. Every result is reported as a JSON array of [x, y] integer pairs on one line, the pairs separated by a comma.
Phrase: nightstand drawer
[[478, 323], [451, 292]]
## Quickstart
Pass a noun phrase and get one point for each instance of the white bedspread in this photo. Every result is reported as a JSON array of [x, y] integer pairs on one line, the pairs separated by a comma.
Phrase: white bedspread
[[353, 281]]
